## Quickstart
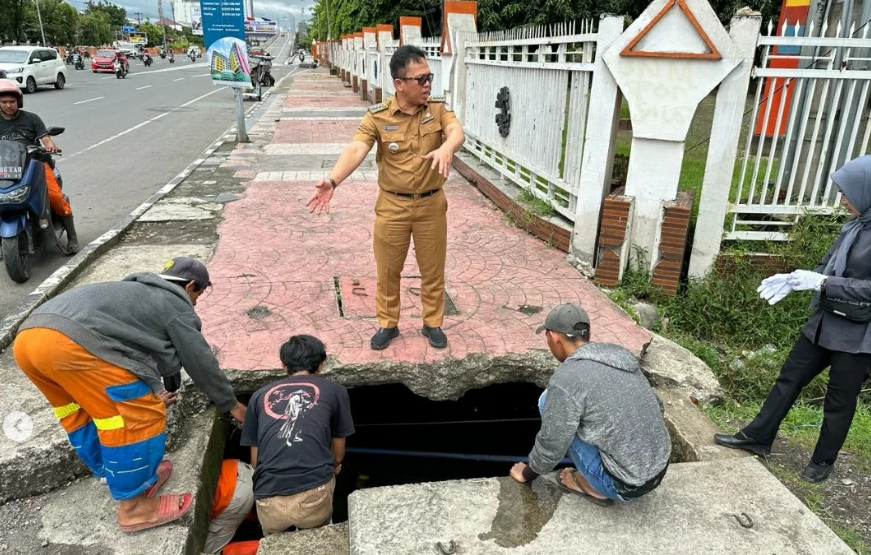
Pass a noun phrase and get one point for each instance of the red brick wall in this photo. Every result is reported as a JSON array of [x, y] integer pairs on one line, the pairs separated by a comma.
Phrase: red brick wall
[[355, 84], [364, 89], [770, 264], [378, 96], [613, 235], [557, 236], [673, 242]]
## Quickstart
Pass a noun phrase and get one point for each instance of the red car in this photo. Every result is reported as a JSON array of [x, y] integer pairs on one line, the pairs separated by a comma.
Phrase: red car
[[104, 61]]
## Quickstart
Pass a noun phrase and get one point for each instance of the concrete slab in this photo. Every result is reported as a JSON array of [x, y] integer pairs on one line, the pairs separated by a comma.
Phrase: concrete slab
[[81, 517], [122, 261], [169, 212], [696, 509], [329, 540]]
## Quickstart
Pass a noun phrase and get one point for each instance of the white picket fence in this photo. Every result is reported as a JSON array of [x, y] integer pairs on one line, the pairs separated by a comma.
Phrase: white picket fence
[[817, 118]]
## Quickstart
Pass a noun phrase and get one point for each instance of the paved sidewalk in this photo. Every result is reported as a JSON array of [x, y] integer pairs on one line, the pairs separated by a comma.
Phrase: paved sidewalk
[[279, 271]]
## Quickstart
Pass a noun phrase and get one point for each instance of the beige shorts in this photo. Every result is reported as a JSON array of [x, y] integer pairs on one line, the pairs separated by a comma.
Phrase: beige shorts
[[307, 509]]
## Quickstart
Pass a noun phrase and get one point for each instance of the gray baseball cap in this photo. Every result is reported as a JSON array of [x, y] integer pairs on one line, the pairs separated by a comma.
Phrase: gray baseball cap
[[567, 318], [185, 269]]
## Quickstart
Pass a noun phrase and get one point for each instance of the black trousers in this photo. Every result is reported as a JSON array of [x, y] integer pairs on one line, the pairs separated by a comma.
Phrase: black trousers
[[804, 363]]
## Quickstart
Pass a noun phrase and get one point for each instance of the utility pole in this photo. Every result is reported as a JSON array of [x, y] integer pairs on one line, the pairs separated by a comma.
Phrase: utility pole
[[138, 17], [161, 19], [41, 30]]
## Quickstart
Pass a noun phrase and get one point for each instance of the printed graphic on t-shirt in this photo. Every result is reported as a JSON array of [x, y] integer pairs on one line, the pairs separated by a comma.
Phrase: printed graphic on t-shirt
[[290, 402]]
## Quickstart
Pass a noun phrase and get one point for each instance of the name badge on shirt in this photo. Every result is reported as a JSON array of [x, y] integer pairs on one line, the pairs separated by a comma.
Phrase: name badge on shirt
[[391, 128], [427, 118]]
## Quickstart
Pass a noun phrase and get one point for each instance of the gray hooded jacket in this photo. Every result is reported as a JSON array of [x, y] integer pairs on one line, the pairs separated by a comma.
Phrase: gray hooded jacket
[[600, 395], [144, 324]]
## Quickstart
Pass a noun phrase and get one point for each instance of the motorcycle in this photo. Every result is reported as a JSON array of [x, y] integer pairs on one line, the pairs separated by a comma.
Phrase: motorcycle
[[162, 54], [120, 70], [78, 61], [69, 58], [146, 59], [171, 58], [27, 224], [266, 79], [301, 55], [192, 56]]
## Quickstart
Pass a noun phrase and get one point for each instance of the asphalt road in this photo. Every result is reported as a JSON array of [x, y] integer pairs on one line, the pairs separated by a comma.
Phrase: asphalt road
[[126, 138]]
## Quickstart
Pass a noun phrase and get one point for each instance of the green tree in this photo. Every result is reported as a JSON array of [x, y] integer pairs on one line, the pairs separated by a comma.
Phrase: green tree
[[95, 29], [12, 20], [60, 21], [115, 15]]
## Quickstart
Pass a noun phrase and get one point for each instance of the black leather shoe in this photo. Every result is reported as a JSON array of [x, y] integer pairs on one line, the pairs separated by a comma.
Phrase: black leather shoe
[[816, 473], [382, 338], [436, 336], [741, 441]]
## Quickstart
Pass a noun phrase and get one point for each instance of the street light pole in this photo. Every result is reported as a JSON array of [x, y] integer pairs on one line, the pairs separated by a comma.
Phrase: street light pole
[[41, 30]]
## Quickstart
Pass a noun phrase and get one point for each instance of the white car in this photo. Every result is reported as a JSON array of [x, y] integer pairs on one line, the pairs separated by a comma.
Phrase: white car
[[31, 66]]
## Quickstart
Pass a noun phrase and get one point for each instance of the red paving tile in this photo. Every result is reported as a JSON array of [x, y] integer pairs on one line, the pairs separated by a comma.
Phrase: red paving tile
[[273, 254]]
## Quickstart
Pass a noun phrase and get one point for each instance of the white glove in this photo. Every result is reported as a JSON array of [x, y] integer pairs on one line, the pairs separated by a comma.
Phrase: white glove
[[804, 280], [775, 292], [775, 280]]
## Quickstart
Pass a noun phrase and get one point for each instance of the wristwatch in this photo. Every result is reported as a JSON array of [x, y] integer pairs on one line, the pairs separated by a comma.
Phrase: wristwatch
[[333, 182]]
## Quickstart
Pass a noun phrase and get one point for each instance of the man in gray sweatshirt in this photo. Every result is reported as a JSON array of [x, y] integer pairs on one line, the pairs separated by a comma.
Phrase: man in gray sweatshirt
[[600, 410], [100, 354]]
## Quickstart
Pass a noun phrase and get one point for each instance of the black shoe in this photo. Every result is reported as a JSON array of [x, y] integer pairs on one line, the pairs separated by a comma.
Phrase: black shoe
[[741, 441], [436, 336], [816, 473], [382, 338], [72, 238]]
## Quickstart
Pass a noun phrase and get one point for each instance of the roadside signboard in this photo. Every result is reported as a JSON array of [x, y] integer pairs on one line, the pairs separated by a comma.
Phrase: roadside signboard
[[260, 28], [128, 29], [224, 38], [196, 20]]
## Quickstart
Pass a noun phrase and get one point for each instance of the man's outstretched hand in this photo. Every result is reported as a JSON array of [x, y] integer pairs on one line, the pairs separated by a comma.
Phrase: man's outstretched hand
[[441, 158], [321, 200]]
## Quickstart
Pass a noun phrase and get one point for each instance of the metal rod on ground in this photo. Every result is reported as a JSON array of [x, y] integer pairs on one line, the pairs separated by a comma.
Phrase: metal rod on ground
[[241, 131], [434, 455]]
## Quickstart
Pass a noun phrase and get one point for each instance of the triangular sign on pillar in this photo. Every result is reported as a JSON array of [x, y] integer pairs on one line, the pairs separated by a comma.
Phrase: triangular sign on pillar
[[682, 16]]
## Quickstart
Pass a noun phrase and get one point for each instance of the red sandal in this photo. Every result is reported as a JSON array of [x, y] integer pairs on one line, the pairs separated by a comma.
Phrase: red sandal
[[172, 507], [164, 471]]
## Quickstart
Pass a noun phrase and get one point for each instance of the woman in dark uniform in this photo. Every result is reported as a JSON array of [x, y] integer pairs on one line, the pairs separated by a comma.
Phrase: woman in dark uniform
[[838, 333]]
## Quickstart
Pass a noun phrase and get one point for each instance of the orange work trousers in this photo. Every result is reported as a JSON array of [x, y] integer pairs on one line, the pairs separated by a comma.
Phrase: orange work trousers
[[116, 424], [397, 220], [56, 200]]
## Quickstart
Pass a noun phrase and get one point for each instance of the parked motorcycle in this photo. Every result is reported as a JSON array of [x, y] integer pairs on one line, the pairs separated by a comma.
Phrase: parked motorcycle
[[120, 70], [78, 61], [266, 78], [27, 224], [146, 59]]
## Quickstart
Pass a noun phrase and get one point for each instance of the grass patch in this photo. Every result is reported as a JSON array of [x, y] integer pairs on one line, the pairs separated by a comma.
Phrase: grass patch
[[535, 205]]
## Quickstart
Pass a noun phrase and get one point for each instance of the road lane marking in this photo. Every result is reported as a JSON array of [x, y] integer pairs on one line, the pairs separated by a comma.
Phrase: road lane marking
[[145, 87], [143, 124], [90, 100], [203, 75], [179, 79]]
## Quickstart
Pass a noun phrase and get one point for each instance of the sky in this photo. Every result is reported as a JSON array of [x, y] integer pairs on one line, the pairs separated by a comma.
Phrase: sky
[[270, 9]]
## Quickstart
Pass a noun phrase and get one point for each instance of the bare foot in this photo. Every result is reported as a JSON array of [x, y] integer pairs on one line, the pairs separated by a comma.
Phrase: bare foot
[[565, 476], [138, 510]]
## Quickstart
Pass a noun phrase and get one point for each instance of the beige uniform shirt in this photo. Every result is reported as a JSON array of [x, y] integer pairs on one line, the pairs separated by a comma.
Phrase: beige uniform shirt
[[402, 141]]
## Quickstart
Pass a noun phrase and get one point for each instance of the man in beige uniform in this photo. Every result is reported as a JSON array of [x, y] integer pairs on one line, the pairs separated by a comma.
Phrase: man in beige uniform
[[417, 137]]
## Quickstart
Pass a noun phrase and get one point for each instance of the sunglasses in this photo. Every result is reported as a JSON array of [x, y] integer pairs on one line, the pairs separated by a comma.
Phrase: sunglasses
[[422, 80]]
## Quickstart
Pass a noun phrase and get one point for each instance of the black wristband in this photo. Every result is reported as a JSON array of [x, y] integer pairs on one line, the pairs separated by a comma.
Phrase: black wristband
[[333, 183]]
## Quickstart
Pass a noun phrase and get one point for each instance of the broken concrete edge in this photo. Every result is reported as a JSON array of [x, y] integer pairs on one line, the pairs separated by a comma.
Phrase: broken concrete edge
[[326, 540], [61, 277]]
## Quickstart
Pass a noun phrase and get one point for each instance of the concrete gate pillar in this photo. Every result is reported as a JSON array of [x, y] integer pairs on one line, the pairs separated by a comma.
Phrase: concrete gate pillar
[[665, 63], [459, 16], [409, 29]]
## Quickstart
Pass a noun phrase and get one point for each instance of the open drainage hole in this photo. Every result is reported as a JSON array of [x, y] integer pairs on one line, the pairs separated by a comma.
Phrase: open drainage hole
[[402, 438]]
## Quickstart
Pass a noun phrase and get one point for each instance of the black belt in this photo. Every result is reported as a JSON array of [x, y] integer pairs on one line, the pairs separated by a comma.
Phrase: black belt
[[415, 195], [632, 492]]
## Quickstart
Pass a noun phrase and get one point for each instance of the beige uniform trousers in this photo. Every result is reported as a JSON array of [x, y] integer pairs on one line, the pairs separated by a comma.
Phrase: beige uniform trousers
[[307, 509], [397, 220]]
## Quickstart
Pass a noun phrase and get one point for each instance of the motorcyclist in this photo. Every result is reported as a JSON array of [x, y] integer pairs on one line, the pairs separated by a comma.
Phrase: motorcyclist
[[145, 56], [27, 127], [120, 56]]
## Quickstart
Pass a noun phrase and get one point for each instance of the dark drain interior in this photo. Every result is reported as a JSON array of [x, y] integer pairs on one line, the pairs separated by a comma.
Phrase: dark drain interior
[[403, 438]]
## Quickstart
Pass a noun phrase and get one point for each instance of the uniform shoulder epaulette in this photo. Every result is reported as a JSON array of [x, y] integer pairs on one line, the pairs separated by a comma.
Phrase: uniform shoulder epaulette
[[375, 108], [436, 99]]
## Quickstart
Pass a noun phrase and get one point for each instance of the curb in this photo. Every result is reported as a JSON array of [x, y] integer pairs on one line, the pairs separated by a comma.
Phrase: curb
[[93, 250]]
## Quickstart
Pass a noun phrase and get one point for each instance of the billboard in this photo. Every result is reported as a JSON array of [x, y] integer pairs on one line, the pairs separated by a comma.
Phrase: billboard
[[224, 36], [261, 28], [196, 20]]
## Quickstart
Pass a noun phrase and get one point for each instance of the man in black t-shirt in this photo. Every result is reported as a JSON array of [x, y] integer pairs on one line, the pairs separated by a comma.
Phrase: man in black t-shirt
[[296, 428], [27, 127]]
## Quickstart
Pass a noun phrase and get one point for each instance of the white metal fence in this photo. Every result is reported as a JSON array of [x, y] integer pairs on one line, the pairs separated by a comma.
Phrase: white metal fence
[[548, 75], [806, 122]]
